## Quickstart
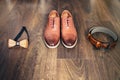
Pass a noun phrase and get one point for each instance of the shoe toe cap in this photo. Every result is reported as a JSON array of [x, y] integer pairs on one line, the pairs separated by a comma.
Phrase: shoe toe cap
[[69, 42], [51, 41]]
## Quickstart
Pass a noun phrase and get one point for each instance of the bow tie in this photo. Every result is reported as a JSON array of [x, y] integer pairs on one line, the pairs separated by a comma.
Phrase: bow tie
[[23, 43]]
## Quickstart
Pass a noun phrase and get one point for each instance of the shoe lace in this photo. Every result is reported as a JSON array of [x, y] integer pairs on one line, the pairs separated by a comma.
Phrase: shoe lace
[[67, 21], [52, 20]]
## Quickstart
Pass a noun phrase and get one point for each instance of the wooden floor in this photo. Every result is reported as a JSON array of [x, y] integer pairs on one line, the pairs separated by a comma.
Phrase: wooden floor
[[41, 63]]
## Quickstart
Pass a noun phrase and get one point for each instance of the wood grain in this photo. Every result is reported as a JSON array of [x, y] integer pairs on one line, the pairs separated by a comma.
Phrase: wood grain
[[38, 62]]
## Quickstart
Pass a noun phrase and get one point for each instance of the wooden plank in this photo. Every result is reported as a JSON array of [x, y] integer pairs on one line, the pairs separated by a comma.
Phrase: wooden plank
[[38, 62]]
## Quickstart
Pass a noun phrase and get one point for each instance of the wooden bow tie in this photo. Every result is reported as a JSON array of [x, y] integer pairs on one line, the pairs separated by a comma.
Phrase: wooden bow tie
[[23, 43]]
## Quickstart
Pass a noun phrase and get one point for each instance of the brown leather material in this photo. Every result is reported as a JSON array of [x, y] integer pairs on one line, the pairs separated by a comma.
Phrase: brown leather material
[[69, 33], [52, 29], [100, 44], [97, 43]]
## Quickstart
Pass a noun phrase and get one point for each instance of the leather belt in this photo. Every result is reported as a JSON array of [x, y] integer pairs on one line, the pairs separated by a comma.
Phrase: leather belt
[[101, 44]]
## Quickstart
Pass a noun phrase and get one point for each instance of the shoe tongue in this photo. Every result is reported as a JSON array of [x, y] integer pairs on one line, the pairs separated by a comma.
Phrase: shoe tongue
[[56, 18]]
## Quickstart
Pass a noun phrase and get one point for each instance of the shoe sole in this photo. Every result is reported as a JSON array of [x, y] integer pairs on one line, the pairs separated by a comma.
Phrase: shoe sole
[[71, 45]]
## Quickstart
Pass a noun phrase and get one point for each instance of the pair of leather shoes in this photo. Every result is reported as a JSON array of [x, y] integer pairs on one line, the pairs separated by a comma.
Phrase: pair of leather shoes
[[53, 32]]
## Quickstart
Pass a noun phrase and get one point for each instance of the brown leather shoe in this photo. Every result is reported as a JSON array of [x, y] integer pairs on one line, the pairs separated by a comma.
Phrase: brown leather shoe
[[52, 30], [69, 34]]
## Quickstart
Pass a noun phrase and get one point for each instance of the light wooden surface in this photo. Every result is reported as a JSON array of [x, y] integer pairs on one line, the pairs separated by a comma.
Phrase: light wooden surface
[[41, 63]]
